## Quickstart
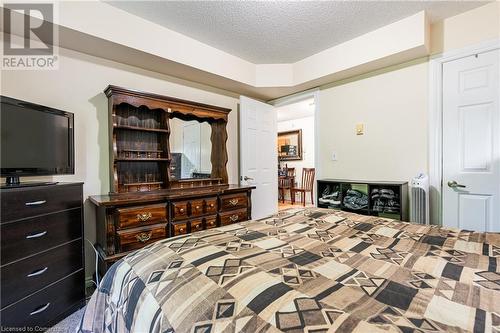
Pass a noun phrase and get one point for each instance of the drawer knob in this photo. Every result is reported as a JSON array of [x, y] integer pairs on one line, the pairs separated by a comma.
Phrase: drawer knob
[[144, 236], [181, 229], [211, 205], [233, 202], [181, 210], [144, 216], [40, 309], [211, 223], [233, 218], [197, 207], [38, 272], [197, 226], [38, 235]]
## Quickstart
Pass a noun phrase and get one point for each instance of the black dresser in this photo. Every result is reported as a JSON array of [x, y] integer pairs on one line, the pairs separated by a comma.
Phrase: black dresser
[[42, 263]]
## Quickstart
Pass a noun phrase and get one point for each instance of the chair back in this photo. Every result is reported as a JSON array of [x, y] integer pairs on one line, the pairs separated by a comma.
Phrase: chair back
[[284, 182], [308, 178]]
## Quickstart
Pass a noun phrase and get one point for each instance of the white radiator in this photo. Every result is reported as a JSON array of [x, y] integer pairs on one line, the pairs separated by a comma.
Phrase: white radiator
[[419, 199]]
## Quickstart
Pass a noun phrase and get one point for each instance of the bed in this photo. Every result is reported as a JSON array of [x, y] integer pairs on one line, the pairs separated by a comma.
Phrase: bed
[[305, 270]]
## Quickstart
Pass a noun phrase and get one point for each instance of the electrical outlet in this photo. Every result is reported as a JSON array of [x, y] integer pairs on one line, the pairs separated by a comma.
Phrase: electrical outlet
[[334, 156]]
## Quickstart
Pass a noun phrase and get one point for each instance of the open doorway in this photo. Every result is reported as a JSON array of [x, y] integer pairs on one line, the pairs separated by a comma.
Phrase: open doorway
[[296, 152]]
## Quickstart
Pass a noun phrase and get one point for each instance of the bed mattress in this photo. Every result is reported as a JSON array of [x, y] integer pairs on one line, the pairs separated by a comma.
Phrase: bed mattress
[[305, 270]]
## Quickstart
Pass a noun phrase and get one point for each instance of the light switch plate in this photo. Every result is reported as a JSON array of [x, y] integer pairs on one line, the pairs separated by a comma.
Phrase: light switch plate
[[360, 129], [334, 156]]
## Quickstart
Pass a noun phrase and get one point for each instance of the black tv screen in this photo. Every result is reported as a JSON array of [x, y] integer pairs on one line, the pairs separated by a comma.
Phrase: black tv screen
[[35, 139]]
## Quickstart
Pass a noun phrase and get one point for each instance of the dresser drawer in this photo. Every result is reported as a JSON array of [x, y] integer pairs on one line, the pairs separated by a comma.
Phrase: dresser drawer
[[132, 239], [233, 201], [197, 207], [211, 205], [31, 201], [233, 217], [179, 210], [178, 228], [26, 276], [48, 305], [137, 216], [24, 238], [210, 222], [196, 225]]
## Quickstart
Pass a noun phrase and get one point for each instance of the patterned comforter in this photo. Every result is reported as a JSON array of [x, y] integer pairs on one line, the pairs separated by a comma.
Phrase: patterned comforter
[[312, 270]]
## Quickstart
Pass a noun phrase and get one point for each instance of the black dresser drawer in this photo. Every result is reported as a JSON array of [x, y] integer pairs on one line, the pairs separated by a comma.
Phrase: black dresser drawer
[[46, 306], [23, 202], [24, 238], [29, 275]]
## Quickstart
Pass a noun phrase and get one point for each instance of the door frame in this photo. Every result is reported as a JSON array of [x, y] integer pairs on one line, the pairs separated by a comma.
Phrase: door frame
[[435, 122], [297, 97], [300, 96]]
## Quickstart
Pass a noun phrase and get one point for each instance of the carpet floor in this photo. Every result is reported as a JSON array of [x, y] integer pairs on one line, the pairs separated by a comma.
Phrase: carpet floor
[[68, 324]]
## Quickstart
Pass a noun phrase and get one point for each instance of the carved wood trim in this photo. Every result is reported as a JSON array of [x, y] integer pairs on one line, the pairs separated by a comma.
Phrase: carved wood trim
[[219, 151], [136, 98]]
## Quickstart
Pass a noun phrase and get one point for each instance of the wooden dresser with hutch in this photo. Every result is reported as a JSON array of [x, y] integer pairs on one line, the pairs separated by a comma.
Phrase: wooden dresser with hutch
[[152, 197]]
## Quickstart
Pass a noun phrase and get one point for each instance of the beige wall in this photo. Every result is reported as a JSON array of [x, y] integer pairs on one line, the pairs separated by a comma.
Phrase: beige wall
[[393, 107], [77, 86], [472, 27]]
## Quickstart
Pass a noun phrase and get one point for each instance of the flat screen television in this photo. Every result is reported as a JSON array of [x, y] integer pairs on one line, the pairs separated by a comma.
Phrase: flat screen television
[[34, 140]]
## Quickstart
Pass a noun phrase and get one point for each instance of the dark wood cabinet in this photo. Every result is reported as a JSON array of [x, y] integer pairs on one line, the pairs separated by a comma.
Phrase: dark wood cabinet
[[140, 157], [148, 199], [42, 263], [384, 199]]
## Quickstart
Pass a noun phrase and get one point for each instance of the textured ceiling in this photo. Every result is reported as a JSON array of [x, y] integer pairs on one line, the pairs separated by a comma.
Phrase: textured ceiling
[[282, 31], [297, 110]]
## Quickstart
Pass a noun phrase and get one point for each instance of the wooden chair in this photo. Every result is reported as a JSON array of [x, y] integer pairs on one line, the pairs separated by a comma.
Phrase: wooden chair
[[285, 183], [306, 186]]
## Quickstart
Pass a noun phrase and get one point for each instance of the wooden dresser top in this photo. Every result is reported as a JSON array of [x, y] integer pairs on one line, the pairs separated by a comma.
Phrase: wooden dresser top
[[167, 194]]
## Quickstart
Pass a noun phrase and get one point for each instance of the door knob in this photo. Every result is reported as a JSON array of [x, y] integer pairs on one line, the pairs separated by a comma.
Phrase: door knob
[[454, 184], [247, 178]]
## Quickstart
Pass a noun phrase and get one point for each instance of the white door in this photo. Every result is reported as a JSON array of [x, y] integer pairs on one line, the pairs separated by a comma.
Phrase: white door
[[471, 142], [258, 155]]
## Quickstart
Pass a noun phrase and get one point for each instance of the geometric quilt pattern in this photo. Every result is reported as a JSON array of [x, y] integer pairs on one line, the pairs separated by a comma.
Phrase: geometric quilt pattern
[[305, 270]]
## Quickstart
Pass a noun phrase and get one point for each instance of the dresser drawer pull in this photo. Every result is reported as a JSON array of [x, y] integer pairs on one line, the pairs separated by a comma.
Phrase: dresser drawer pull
[[35, 203], [41, 309], [181, 229], [197, 207], [144, 237], [144, 216], [211, 223], [233, 218], [197, 226], [181, 210], [38, 235], [211, 205], [38, 272], [233, 202]]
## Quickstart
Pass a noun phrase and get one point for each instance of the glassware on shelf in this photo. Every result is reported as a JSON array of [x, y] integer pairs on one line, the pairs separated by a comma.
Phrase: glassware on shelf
[[128, 179], [133, 118], [126, 114]]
